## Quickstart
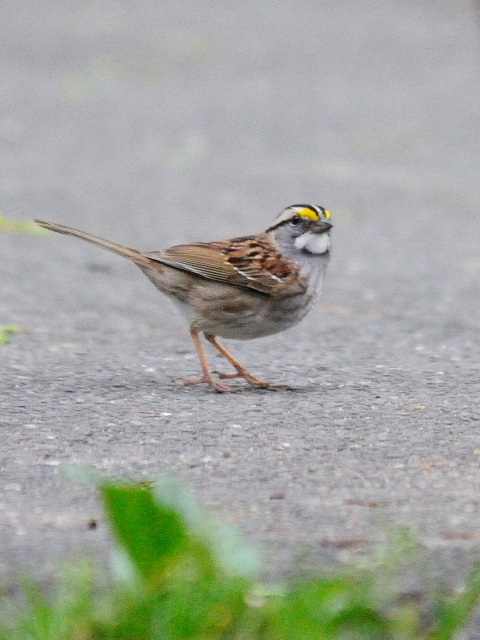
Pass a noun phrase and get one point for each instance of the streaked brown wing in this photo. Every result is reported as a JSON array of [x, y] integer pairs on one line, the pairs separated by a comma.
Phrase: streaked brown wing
[[203, 259], [250, 262]]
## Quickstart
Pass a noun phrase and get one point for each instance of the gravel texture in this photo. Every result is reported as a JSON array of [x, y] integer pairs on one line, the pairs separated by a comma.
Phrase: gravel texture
[[157, 123]]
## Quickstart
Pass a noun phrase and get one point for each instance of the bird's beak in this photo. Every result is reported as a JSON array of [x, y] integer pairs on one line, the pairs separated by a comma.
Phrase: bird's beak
[[321, 226]]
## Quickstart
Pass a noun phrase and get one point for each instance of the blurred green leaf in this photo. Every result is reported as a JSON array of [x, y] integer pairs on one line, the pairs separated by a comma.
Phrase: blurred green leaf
[[230, 552], [5, 332], [64, 616], [330, 609], [152, 535], [188, 594], [451, 613], [20, 226]]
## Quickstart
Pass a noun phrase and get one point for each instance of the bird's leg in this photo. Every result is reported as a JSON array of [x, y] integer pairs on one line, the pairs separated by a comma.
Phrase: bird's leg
[[206, 373], [241, 371]]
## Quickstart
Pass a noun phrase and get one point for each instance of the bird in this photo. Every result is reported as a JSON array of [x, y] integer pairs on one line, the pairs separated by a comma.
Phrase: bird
[[242, 288]]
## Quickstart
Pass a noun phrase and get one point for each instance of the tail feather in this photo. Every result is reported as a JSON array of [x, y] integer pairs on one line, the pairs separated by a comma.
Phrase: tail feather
[[137, 257]]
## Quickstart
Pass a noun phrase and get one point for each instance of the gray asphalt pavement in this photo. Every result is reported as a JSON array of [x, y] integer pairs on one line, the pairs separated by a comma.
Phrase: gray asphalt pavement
[[157, 123]]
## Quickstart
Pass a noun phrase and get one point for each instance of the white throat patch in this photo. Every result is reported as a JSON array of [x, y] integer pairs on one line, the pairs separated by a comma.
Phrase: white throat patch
[[317, 243]]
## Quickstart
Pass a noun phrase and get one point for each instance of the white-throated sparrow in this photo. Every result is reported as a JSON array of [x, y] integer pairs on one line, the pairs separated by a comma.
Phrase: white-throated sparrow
[[242, 288]]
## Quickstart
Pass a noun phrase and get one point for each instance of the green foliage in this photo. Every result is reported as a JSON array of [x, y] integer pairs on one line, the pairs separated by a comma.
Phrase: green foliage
[[20, 226], [177, 581], [5, 332], [328, 608], [153, 535], [180, 575], [64, 616], [163, 532], [451, 613]]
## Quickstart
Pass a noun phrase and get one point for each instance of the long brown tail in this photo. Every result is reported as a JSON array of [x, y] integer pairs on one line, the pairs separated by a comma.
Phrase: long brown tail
[[126, 252]]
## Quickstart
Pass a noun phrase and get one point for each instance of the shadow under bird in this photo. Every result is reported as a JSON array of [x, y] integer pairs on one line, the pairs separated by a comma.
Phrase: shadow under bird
[[243, 288]]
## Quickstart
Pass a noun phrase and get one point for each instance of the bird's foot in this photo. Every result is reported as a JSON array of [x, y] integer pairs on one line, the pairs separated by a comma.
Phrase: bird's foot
[[251, 379], [220, 388]]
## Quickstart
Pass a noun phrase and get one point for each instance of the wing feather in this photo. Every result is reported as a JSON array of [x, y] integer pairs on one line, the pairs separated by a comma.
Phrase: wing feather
[[250, 262]]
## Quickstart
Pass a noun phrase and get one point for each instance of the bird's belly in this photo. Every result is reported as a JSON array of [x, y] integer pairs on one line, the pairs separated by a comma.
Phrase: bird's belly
[[232, 312], [248, 317]]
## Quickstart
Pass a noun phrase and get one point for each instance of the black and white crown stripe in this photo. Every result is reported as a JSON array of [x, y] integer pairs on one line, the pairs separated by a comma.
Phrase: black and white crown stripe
[[287, 214]]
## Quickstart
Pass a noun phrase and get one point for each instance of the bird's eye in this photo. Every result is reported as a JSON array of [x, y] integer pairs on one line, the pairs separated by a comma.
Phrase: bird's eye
[[295, 220]]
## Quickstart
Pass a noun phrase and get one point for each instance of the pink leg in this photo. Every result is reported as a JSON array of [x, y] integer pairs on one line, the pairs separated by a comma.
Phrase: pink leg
[[206, 373], [241, 371]]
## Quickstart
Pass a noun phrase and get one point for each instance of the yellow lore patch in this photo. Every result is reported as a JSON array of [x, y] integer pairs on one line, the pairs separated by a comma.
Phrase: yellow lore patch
[[312, 214]]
